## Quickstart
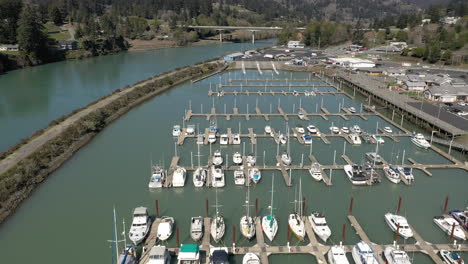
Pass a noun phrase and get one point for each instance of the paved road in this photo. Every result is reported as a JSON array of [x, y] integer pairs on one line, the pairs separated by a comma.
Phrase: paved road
[[441, 113]]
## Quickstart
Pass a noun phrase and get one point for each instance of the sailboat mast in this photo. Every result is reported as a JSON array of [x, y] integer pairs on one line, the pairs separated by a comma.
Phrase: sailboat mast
[[299, 197], [272, 186], [116, 238], [124, 235], [217, 212], [198, 146], [247, 201]]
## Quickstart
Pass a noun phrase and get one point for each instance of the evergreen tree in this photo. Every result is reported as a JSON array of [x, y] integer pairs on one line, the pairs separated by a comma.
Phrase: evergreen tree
[[55, 15], [9, 14], [32, 40]]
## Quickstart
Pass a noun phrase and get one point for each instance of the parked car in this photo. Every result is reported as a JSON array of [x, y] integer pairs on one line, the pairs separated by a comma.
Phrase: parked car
[[448, 104]]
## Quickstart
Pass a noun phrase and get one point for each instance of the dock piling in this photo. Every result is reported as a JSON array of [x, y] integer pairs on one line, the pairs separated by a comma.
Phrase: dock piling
[[177, 236], [399, 205], [256, 207], [397, 232], [452, 231], [343, 234], [206, 208], [446, 204], [351, 203], [157, 208]]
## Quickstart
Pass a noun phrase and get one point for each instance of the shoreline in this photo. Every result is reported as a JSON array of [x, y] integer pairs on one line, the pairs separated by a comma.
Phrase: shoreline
[[25, 165]]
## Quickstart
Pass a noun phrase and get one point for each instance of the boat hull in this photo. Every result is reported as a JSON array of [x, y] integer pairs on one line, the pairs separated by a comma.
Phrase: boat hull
[[269, 227]]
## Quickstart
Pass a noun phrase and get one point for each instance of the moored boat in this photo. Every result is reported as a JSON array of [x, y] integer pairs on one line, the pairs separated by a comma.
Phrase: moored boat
[[419, 140], [461, 217], [255, 175], [300, 129], [398, 222], [165, 228], [355, 174], [251, 160], [374, 157], [355, 138], [158, 177], [451, 257], [392, 174], [295, 221], [269, 223], [176, 131], [189, 254], [363, 254], [283, 139], [356, 129], [140, 225], [247, 222], [268, 129], [219, 255], [250, 258], [236, 140], [159, 255], [344, 130], [179, 176], [334, 129], [316, 171], [237, 158], [337, 255], [394, 255], [447, 224], [239, 177], [307, 139], [217, 158], [378, 139], [312, 129], [285, 158], [406, 172], [224, 139], [196, 228], [388, 130], [212, 138], [320, 226], [217, 177], [199, 177], [218, 226]]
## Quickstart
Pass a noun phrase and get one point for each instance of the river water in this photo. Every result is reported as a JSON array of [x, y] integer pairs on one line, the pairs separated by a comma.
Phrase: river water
[[30, 98], [69, 217]]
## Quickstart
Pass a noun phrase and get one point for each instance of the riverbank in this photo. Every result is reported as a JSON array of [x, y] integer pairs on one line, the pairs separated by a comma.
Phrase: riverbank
[[26, 165]]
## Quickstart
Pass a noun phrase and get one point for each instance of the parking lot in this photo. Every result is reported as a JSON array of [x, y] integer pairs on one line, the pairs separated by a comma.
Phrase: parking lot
[[444, 112]]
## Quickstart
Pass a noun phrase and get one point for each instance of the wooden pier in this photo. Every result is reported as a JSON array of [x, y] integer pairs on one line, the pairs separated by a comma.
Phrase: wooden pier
[[273, 93]]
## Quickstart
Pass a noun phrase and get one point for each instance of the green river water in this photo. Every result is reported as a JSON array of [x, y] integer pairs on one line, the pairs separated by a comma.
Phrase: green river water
[[68, 219]]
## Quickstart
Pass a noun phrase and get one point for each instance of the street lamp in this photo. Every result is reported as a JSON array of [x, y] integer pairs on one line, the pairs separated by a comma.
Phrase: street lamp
[[432, 135], [450, 147]]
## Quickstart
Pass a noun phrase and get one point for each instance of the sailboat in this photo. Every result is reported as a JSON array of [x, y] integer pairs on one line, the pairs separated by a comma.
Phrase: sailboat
[[247, 223], [218, 226], [295, 221], [200, 174], [269, 223], [127, 255]]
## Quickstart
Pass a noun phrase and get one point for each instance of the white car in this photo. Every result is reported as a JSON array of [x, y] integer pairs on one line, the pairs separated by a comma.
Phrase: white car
[[462, 113]]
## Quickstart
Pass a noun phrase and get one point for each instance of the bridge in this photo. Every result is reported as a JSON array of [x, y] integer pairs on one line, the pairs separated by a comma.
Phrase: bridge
[[227, 28]]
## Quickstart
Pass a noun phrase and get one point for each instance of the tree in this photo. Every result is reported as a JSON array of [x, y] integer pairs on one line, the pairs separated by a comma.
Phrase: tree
[[55, 15], [9, 15], [447, 56], [434, 13], [418, 52], [32, 40]]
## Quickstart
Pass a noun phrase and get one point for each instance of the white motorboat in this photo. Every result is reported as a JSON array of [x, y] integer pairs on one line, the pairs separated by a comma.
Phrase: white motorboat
[[300, 129], [189, 254], [355, 138], [337, 255], [255, 175], [199, 177], [200, 139], [190, 130], [392, 174], [247, 222], [217, 175], [251, 160], [356, 129], [335, 130], [269, 223], [140, 225], [219, 255], [451, 257], [285, 158], [218, 226], [307, 139], [239, 177], [165, 228], [316, 171], [320, 226], [301, 115], [352, 110], [447, 224], [212, 138], [363, 254], [283, 139], [398, 222], [295, 221], [406, 172], [394, 255], [178, 178], [237, 158], [374, 157], [224, 139], [250, 258], [267, 129], [159, 255], [344, 130], [158, 177], [419, 140], [217, 158], [355, 174], [176, 131], [312, 129], [378, 139], [388, 130], [196, 228], [236, 139]]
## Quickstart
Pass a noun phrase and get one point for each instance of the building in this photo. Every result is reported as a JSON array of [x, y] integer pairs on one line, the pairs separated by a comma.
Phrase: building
[[372, 71], [399, 44], [447, 93], [426, 21], [414, 86], [387, 49], [450, 20], [353, 62], [67, 44], [7, 47], [293, 44], [233, 56], [392, 72]]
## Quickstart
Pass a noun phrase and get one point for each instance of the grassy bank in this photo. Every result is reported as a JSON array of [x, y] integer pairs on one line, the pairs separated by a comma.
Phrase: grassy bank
[[29, 163]]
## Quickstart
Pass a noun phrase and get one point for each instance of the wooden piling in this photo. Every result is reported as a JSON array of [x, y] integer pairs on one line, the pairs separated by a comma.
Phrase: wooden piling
[[351, 203], [157, 208]]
